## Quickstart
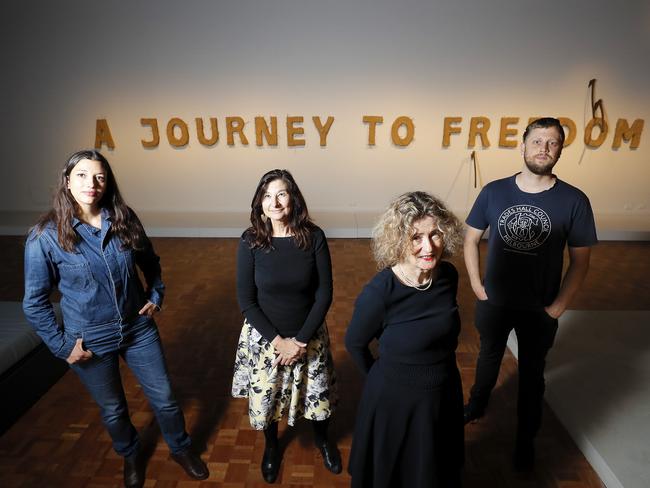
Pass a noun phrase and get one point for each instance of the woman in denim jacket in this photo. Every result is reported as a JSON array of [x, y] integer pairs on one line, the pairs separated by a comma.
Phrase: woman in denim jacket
[[88, 246]]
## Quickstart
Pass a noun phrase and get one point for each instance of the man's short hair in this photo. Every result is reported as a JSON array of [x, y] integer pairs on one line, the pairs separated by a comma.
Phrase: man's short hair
[[545, 123]]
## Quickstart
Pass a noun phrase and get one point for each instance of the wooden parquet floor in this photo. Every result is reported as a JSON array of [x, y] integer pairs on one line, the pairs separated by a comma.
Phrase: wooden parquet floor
[[60, 442]]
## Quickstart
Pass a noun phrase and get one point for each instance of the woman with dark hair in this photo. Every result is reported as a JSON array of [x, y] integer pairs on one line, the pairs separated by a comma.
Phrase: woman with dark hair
[[409, 424], [88, 246], [284, 288]]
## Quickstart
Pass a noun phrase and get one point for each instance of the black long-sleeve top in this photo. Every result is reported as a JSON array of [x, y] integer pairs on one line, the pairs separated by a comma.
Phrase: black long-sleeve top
[[413, 326], [285, 290]]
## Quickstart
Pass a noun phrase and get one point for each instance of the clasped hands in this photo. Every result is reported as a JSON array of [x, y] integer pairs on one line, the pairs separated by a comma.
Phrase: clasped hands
[[288, 350]]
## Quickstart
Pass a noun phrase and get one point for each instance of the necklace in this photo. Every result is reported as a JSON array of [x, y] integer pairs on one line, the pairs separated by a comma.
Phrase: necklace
[[408, 282]]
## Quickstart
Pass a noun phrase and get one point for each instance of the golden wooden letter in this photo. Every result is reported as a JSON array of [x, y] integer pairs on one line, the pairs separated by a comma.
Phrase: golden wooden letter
[[235, 125], [293, 131], [323, 130], [478, 126], [103, 135], [171, 135], [570, 130], [448, 129], [372, 121], [410, 131], [262, 131], [505, 132], [155, 134], [624, 133], [602, 126], [200, 132]]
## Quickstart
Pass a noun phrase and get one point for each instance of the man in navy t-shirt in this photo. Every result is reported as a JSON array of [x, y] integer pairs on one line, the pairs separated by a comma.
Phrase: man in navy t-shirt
[[532, 215]]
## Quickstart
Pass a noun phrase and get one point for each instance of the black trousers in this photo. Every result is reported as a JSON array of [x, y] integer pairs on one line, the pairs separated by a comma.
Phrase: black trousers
[[535, 331]]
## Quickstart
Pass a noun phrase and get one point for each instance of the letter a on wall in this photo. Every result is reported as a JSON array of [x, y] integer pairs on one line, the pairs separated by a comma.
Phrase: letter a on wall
[[103, 135]]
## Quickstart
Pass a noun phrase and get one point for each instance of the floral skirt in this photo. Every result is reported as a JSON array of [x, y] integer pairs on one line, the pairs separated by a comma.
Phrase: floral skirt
[[307, 388]]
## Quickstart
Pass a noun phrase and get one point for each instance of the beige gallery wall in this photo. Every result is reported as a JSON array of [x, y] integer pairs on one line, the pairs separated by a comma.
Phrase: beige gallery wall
[[70, 63]]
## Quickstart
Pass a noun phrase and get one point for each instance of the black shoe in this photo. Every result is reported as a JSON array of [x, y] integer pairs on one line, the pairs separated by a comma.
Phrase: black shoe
[[271, 463], [134, 470], [471, 414], [331, 457], [192, 464], [524, 455]]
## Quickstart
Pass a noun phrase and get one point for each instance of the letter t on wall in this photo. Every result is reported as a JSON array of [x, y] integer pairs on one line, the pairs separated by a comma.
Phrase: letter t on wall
[[372, 121]]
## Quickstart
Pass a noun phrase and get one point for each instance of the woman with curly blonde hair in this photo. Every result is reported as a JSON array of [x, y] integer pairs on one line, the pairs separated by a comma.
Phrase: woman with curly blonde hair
[[409, 427]]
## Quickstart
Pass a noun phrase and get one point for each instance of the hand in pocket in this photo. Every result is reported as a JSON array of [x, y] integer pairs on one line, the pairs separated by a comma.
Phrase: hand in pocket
[[79, 354]]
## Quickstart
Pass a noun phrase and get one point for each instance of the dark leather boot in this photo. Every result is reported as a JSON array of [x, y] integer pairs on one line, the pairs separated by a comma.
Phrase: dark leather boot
[[134, 470], [524, 455], [271, 463], [471, 414], [192, 464], [331, 457]]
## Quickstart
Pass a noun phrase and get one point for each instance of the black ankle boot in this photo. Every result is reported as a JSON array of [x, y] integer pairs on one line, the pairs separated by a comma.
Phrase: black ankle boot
[[192, 464], [471, 414], [331, 457], [134, 470], [524, 455], [271, 463]]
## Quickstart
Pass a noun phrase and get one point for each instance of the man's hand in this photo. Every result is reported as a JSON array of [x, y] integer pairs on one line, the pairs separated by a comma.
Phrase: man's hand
[[472, 260], [554, 311], [479, 291], [573, 279]]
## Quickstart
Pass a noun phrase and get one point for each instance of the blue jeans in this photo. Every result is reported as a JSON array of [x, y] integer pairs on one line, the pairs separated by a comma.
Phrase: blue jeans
[[142, 351]]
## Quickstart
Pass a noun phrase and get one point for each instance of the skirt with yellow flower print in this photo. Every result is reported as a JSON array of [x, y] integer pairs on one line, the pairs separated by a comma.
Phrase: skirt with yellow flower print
[[307, 388]]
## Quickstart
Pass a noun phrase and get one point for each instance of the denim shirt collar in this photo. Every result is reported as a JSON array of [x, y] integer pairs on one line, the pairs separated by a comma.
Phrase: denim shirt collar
[[106, 224]]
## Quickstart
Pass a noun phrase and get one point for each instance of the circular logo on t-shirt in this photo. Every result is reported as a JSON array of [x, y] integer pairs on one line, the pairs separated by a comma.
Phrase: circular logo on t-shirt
[[524, 227]]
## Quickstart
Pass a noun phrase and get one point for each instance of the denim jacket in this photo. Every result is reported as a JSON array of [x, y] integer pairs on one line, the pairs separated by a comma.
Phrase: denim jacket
[[100, 289]]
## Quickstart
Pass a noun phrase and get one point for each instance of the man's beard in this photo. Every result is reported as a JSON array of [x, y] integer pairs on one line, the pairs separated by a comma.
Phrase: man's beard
[[539, 169]]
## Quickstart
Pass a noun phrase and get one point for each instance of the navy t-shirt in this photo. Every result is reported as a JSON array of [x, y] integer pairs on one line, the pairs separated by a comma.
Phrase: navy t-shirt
[[528, 232]]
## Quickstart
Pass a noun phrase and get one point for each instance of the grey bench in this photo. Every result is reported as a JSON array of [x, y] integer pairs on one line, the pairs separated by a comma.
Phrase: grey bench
[[27, 367]]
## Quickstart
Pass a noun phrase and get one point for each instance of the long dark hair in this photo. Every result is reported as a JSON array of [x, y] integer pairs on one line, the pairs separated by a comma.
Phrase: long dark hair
[[260, 232], [124, 223]]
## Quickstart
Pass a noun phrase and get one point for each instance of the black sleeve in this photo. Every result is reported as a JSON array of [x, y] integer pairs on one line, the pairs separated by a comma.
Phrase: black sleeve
[[323, 294], [247, 292], [366, 324]]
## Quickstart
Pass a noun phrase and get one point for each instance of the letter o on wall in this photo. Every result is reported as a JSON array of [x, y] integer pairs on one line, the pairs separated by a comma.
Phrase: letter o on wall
[[410, 131], [171, 134], [602, 126]]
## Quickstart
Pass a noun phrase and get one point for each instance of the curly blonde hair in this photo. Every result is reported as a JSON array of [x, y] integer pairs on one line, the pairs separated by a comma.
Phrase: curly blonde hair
[[391, 237]]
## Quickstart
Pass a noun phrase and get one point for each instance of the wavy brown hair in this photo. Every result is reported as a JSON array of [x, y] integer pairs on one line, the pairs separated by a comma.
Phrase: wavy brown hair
[[391, 237], [259, 234], [124, 223]]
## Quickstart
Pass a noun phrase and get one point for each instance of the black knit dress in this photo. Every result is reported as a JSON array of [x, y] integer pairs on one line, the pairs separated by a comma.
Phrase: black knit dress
[[409, 423]]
